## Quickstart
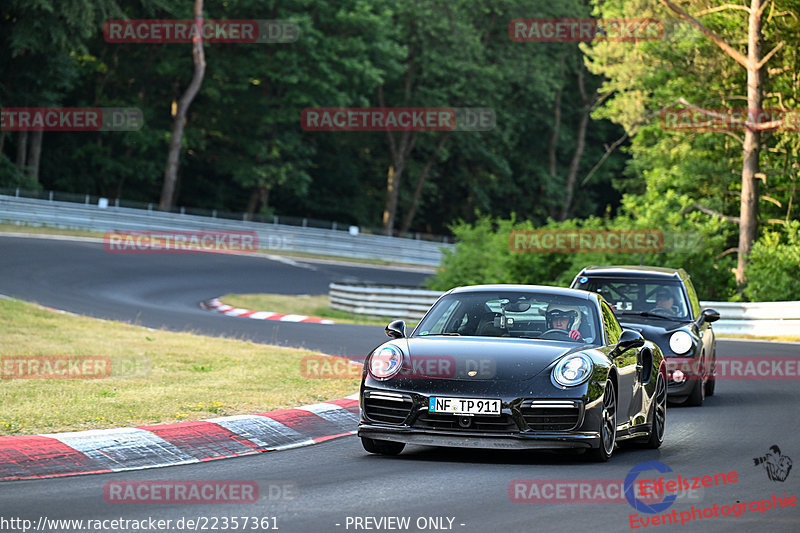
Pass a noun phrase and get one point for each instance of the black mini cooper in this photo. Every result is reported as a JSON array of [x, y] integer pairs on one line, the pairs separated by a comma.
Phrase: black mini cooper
[[662, 305]]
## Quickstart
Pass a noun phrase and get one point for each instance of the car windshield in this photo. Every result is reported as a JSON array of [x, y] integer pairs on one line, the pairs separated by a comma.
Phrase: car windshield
[[649, 298], [513, 314]]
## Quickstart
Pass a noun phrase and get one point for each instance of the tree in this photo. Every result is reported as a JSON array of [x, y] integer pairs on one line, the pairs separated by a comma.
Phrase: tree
[[173, 156], [754, 62]]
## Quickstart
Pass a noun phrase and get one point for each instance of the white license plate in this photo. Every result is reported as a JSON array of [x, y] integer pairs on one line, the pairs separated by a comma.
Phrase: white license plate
[[463, 406]]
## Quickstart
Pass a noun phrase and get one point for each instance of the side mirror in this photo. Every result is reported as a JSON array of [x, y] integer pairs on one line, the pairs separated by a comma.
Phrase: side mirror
[[396, 329], [629, 339], [709, 315]]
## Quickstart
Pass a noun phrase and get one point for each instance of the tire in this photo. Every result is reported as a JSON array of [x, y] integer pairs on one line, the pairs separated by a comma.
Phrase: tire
[[695, 399], [711, 383], [608, 426], [382, 447], [659, 415]]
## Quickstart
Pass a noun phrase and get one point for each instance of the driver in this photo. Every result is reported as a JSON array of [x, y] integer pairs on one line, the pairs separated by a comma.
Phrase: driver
[[566, 318], [664, 300]]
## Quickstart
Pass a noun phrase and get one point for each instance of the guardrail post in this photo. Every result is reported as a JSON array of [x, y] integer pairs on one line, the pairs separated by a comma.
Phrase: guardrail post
[[305, 222], [51, 196], [116, 202]]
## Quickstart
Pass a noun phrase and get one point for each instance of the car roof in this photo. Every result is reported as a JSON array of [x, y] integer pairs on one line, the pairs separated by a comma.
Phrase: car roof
[[631, 271], [539, 289]]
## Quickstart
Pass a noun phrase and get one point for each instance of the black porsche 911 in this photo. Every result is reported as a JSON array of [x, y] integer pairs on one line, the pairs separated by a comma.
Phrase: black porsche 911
[[514, 367], [662, 305]]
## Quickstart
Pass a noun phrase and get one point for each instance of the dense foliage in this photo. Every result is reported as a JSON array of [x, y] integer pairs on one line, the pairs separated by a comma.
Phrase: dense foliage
[[545, 164], [244, 148]]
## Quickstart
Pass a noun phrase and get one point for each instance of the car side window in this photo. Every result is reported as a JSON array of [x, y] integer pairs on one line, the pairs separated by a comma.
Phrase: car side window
[[693, 301], [610, 324]]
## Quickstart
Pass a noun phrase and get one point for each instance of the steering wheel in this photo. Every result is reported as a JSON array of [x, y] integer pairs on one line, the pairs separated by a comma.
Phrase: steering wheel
[[662, 311], [557, 332]]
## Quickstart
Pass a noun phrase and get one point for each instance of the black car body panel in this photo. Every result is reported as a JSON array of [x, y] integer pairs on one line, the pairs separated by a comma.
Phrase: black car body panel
[[697, 363], [536, 411]]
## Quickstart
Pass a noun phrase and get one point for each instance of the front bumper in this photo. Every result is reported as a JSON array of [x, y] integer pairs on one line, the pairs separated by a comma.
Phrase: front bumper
[[518, 441], [690, 367], [524, 423]]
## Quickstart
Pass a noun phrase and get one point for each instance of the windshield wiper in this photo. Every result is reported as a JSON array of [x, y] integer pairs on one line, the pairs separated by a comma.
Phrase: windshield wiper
[[453, 334], [654, 315]]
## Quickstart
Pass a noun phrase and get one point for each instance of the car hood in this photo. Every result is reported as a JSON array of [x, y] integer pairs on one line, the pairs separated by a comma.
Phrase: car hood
[[480, 358], [652, 326]]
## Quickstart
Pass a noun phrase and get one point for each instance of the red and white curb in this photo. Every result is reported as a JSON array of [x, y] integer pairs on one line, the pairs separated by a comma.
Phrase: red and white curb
[[215, 305], [115, 450]]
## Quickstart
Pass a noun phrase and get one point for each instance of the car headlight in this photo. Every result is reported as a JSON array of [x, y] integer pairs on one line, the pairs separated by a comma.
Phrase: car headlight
[[573, 370], [680, 342], [386, 362]]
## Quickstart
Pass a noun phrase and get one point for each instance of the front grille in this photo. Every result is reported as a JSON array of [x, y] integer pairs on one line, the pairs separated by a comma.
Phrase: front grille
[[496, 424], [551, 415], [387, 407]]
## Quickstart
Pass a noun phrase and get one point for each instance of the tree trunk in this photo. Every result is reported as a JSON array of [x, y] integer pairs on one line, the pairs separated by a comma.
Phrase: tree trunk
[[748, 210], [551, 150], [173, 157], [412, 208], [259, 199], [580, 146], [252, 203], [35, 155], [577, 156], [754, 63], [394, 175], [22, 150]]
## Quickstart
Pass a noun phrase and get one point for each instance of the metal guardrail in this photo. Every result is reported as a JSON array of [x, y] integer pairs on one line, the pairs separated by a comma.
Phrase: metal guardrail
[[395, 302], [271, 237], [757, 318]]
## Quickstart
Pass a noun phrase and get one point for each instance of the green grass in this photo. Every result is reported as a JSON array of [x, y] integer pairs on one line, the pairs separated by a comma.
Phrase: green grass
[[45, 230], [157, 376], [317, 305]]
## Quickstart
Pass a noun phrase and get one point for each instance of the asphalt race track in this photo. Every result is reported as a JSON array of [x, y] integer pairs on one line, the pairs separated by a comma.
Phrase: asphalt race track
[[335, 482], [165, 290]]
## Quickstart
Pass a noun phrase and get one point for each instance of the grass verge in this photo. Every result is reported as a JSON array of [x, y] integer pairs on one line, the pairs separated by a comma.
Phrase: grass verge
[[316, 305], [157, 376], [44, 230]]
